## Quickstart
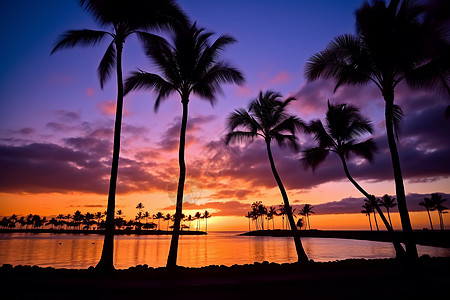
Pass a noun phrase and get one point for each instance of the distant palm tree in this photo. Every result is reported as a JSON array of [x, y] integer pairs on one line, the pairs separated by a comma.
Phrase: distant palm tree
[[197, 217], [343, 125], [306, 211], [249, 216], [393, 44], [367, 210], [206, 216], [190, 65], [429, 206], [271, 213], [439, 206], [167, 218], [159, 215], [124, 18], [300, 223], [374, 202], [388, 202], [267, 117], [189, 219], [282, 213]]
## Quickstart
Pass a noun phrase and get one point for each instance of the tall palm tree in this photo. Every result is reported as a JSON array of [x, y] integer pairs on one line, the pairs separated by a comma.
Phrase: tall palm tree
[[249, 216], [267, 117], [167, 218], [367, 210], [388, 202], [190, 65], [439, 206], [271, 213], [429, 206], [393, 44], [122, 19], [343, 125]]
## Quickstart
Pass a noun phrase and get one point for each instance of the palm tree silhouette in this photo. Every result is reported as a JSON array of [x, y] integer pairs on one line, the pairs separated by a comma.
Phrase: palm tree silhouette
[[189, 66], [439, 206], [159, 215], [388, 202], [343, 124], [249, 216], [374, 202], [167, 218], [367, 210], [271, 213], [306, 211], [124, 18], [393, 44], [267, 118], [206, 216], [429, 206]]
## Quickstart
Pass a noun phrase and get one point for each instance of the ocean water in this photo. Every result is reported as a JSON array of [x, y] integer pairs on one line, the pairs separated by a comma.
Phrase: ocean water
[[216, 248]]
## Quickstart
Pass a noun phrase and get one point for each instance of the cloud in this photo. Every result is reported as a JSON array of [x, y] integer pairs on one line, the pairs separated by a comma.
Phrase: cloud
[[90, 91], [108, 108], [354, 205], [281, 78], [229, 208]]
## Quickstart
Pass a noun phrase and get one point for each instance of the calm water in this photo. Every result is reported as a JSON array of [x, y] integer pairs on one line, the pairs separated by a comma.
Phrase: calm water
[[218, 248]]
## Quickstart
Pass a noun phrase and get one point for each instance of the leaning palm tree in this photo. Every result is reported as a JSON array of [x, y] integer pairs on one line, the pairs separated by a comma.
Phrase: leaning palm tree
[[267, 117], [343, 125], [429, 206], [374, 202], [121, 18], [367, 210], [393, 44], [388, 202], [190, 65]]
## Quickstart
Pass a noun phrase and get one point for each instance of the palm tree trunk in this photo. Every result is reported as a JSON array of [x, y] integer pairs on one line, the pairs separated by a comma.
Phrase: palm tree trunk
[[389, 216], [106, 261], [173, 252], [399, 251], [301, 254], [429, 218], [370, 222], [410, 243]]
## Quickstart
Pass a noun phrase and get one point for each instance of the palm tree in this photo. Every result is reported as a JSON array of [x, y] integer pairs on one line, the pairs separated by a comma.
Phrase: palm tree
[[439, 206], [125, 18], [190, 65], [374, 202], [167, 218], [343, 125], [388, 202], [368, 209], [429, 206], [267, 117], [249, 216], [271, 213], [159, 215], [206, 216], [393, 44], [197, 217], [282, 213], [306, 211]]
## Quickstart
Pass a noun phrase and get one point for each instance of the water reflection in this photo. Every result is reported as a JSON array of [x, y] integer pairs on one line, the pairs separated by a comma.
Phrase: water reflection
[[82, 251]]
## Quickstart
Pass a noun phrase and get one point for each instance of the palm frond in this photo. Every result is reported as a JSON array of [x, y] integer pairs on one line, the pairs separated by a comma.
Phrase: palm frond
[[84, 37], [291, 124], [107, 64], [313, 157], [364, 149], [317, 129], [239, 137], [284, 140]]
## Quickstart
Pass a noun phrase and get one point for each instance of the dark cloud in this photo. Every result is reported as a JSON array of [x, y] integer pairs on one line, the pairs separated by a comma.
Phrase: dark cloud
[[354, 205]]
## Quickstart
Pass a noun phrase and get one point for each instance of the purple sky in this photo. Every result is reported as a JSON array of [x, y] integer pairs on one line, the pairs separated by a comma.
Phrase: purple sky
[[56, 120]]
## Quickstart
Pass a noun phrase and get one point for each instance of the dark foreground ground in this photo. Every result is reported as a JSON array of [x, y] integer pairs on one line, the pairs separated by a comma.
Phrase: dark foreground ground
[[427, 278]]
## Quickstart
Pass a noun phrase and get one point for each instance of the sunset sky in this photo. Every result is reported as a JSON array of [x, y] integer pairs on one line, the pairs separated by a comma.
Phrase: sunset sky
[[56, 124]]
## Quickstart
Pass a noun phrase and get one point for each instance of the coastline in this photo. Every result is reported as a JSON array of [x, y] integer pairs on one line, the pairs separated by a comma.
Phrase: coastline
[[101, 232], [425, 238], [349, 279]]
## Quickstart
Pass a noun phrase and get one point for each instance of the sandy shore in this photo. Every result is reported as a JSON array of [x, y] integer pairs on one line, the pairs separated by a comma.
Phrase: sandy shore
[[426, 278]]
